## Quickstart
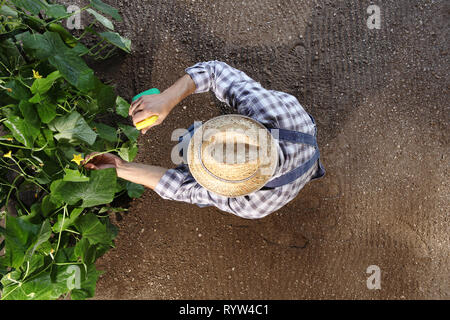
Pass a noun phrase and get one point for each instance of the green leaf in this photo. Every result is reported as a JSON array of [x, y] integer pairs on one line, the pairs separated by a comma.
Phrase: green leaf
[[45, 248], [28, 111], [43, 235], [80, 49], [37, 98], [48, 134], [34, 6], [20, 235], [21, 131], [112, 231], [107, 9], [42, 179], [88, 284], [122, 107], [47, 206], [121, 185], [102, 19], [37, 262], [70, 65], [44, 84], [56, 11], [74, 176], [3, 267], [19, 91], [35, 215], [59, 226], [131, 132], [105, 96], [65, 254], [9, 55], [85, 251], [106, 132], [134, 190], [92, 229], [91, 107], [73, 126], [68, 150], [8, 11], [99, 190], [55, 42], [36, 45], [46, 285], [111, 209], [46, 111], [128, 151], [74, 70], [117, 40]]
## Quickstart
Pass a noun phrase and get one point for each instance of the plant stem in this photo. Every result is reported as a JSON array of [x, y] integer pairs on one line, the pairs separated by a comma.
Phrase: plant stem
[[67, 15], [6, 68], [71, 231], [100, 50], [93, 47], [60, 229], [28, 177], [15, 146], [10, 190], [63, 108], [99, 154], [20, 202], [85, 31], [108, 54], [66, 263], [21, 81], [26, 272]]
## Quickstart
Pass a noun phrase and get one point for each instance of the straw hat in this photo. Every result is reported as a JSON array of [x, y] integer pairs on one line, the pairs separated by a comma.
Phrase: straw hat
[[232, 155]]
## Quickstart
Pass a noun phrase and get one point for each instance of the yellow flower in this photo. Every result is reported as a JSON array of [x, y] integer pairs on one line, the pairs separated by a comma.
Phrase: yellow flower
[[9, 139], [77, 158], [8, 155], [36, 75]]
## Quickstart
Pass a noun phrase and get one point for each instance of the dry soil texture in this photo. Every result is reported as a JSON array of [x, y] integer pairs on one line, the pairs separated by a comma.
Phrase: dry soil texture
[[380, 98]]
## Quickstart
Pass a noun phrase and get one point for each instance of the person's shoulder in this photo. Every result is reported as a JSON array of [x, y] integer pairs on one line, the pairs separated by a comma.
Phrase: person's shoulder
[[286, 97]]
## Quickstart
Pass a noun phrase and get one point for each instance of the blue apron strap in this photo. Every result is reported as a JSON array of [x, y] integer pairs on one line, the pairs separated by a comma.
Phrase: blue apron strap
[[190, 132], [293, 175], [183, 141], [294, 136]]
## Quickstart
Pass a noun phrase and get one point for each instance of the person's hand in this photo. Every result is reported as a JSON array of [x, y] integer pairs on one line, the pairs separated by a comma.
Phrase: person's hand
[[150, 105], [102, 161], [161, 104]]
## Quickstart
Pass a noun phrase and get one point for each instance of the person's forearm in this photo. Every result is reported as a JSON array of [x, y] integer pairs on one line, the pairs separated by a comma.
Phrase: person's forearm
[[182, 88], [146, 175]]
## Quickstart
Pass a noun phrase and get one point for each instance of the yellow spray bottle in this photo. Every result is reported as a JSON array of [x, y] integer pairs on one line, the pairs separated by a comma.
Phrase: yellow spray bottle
[[150, 120]]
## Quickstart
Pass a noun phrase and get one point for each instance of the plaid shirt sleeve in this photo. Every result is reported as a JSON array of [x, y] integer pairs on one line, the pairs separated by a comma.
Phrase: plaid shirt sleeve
[[272, 108]]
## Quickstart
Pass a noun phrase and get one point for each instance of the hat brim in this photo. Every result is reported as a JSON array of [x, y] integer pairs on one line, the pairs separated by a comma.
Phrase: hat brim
[[224, 187]]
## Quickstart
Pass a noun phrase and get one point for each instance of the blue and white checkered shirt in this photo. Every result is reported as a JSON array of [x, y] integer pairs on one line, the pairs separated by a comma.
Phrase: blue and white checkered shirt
[[274, 109]]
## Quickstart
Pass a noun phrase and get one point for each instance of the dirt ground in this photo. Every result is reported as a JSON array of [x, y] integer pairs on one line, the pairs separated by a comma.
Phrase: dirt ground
[[380, 98]]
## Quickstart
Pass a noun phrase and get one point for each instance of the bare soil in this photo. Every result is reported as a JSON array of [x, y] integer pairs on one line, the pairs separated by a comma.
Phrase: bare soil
[[380, 98]]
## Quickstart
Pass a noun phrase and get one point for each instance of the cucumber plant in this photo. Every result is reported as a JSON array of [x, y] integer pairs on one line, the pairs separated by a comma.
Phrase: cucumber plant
[[54, 221]]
